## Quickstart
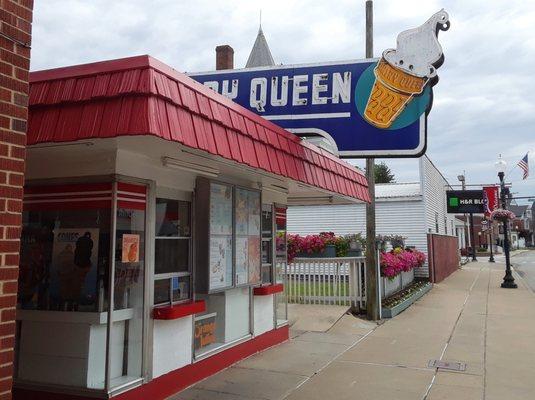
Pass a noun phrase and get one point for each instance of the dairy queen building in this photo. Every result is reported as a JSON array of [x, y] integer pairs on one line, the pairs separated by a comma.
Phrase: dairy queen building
[[154, 225]]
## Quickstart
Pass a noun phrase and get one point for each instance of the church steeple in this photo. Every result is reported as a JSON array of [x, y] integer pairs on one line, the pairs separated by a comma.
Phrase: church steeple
[[260, 54]]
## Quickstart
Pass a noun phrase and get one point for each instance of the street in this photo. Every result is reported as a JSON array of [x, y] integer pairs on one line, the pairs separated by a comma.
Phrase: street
[[524, 264]]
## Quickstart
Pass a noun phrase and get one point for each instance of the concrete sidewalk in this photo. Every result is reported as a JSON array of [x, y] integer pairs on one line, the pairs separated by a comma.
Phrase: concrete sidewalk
[[467, 318]]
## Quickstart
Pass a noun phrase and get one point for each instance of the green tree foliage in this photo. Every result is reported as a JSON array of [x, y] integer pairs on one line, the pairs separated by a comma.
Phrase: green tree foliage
[[383, 174]]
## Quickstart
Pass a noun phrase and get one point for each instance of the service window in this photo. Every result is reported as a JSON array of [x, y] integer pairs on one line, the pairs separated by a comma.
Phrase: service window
[[267, 244], [172, 251]]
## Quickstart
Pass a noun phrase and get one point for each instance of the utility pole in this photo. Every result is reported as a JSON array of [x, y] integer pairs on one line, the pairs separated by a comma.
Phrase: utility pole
[[372, 302]]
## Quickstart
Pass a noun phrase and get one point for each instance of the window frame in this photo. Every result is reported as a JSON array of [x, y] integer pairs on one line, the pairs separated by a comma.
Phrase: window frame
[[179, 274], [272, 247]]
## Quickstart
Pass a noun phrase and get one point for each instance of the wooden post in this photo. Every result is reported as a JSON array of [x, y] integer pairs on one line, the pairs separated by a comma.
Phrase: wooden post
[[372, 302]]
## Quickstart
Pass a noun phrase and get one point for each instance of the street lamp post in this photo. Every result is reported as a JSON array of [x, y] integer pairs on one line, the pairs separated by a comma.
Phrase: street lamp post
[[491, 258], [508, 280]]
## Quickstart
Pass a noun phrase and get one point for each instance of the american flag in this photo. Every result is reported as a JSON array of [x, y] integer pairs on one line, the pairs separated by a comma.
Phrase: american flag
[[523, 164]]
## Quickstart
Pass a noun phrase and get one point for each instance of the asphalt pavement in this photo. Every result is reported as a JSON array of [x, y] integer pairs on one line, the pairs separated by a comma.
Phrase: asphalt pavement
[[524, 265]]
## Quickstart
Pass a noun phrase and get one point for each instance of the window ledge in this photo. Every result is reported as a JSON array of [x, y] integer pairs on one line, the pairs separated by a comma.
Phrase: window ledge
[[179, 310], [267, 290]]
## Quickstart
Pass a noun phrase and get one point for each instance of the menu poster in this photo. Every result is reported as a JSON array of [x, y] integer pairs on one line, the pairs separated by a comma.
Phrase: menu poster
[[242, 260], [220, 262], [254, 213], [205, 331], [73, 273], [254, 259], [220, 209], [242, 211], [130, 248]]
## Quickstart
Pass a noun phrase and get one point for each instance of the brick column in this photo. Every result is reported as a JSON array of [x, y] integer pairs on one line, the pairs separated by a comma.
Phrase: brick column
[[224, 58], [15, 39]]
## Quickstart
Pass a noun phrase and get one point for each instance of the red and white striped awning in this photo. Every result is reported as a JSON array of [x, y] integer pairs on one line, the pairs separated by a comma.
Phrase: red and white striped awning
[[142, 96], [84, 196]]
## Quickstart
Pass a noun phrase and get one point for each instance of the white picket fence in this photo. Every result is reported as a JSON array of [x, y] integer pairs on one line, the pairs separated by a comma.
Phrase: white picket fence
[[327, 281], [335, 281]]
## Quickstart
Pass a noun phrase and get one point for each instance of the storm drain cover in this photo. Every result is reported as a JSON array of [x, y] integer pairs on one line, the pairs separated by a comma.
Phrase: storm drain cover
[[451, 365]]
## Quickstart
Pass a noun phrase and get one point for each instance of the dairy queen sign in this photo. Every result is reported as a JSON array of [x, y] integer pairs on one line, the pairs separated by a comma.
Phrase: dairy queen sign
[[364, 108]]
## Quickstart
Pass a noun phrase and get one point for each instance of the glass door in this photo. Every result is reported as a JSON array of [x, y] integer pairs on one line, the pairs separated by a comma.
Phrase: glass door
[[124, 365], [281, 257]]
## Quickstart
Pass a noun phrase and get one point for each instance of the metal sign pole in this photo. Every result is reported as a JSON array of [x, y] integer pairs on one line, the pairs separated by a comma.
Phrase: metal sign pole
[[379, 286], [372, 304]]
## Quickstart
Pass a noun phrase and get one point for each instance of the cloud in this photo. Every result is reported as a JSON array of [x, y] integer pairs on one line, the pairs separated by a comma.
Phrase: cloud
[[484, 102]]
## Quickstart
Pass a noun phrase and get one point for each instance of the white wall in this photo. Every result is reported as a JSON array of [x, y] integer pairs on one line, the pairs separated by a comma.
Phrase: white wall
[[172, 342], [263, 314], [434, 187], [405, 218]]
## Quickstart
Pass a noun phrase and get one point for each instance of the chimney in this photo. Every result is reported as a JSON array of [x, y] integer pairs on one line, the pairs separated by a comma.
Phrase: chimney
[[224, 58]]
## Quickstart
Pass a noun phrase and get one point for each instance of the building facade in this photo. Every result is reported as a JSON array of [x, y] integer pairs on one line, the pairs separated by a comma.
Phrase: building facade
[[412, 210]]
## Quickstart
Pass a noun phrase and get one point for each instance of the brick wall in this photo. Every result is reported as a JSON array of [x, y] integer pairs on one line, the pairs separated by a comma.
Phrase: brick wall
[[15, 39]]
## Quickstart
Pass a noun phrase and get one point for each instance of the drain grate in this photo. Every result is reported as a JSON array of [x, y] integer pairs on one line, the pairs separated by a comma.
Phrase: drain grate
[[450, 365]]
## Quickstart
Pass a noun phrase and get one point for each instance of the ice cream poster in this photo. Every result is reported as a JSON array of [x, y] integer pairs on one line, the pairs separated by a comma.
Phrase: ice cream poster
[[130, 248], [364, 108], [73, 272]]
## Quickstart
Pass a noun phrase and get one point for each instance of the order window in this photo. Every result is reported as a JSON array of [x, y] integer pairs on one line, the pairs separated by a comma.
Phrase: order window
[[267, 244], [172, 251]]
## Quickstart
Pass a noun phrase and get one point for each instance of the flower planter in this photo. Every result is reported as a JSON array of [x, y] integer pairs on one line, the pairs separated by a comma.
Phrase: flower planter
[[407, 278], [392, 312], [328, 252], [391, 286]]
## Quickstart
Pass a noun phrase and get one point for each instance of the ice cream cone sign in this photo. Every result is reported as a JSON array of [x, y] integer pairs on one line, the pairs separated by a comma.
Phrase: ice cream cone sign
[[404, 72]]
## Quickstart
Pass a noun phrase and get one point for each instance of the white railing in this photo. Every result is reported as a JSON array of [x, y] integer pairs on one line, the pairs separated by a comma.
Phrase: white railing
[[327, 281]]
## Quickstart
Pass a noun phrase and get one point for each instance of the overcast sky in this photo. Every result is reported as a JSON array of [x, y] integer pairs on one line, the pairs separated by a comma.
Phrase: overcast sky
[[484, 103]]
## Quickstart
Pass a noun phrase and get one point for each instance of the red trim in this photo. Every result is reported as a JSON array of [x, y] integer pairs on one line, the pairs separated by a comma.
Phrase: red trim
[[131, 187], [131, 205], [78, 187], [26, 394], [177, 380], [179, 310], [82, 205], [267, 290]]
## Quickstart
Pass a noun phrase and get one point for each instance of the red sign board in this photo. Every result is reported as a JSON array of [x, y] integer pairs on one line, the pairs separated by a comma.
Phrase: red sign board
[[490, 199]]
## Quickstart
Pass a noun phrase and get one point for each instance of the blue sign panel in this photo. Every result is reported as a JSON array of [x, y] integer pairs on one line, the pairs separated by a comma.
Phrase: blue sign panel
[[329, 100]]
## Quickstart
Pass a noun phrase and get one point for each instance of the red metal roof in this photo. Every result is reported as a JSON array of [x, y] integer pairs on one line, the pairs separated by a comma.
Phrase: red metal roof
[[142, 96]]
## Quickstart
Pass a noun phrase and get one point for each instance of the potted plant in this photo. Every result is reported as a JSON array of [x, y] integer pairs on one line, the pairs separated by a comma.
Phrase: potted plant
[[330, 244], [356, 244], [502, 215]]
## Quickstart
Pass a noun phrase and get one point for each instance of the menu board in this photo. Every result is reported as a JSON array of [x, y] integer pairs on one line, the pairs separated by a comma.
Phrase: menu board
[[254, 259], [220, 209], [247, 222], [242, 260], [254, 222], [242, 212], [254, 213], [220, 251], [220, 262]]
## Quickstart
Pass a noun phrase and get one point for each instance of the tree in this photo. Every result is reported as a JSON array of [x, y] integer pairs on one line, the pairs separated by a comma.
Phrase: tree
[[383, 174]]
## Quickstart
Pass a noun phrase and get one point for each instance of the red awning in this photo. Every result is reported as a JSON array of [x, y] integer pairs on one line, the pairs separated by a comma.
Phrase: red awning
[[142, 96]]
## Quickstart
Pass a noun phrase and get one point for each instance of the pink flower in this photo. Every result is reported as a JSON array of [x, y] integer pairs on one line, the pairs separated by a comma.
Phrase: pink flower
[[400, 260]]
